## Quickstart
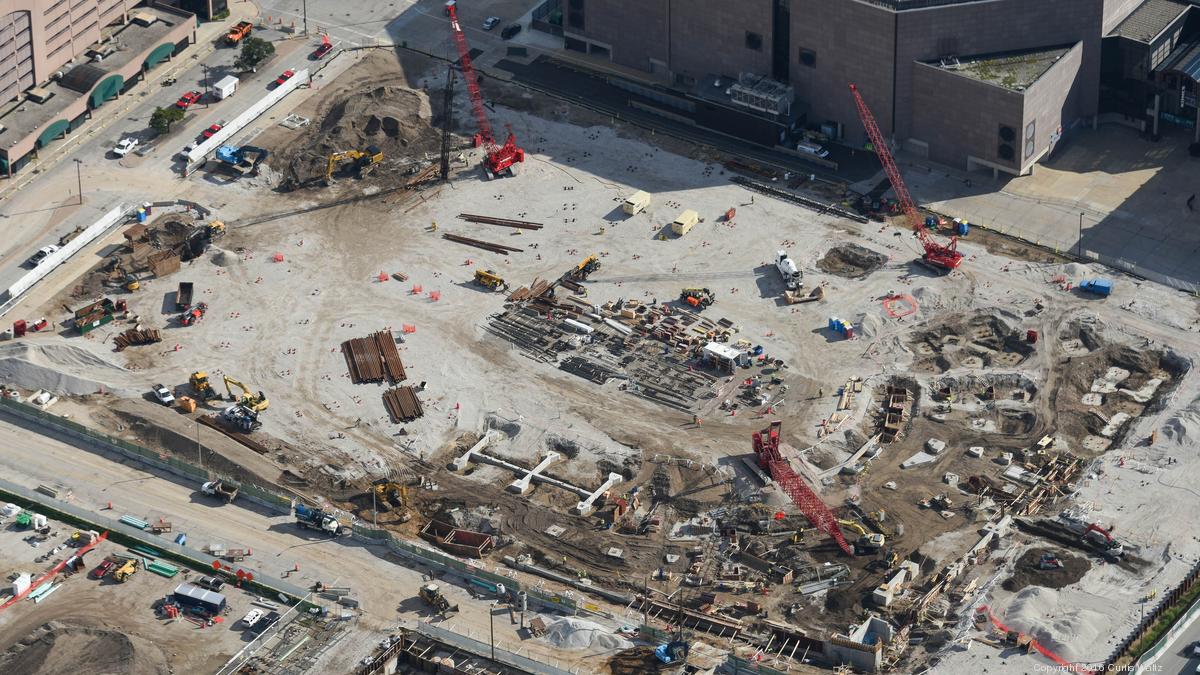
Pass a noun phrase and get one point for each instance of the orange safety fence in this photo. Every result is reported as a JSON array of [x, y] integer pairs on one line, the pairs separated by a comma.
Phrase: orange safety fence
[[52, 573], [1073, 667]]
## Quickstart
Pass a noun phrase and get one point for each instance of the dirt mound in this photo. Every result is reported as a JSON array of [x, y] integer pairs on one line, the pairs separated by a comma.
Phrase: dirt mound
[[851, 261], [1028, 572], [60, 648], [392, 117], [58, 368]]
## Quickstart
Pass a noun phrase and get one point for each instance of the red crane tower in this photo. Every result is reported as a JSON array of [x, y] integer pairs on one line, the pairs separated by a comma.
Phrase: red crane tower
[[499, 160], [766, 448], [942, 257]]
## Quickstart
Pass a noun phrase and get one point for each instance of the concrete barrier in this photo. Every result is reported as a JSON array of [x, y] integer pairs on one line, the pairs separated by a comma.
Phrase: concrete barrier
[[200, 152], [13, 293]]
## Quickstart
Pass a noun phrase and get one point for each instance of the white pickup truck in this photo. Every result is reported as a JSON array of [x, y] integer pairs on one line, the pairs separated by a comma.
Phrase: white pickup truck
[[792, 277]]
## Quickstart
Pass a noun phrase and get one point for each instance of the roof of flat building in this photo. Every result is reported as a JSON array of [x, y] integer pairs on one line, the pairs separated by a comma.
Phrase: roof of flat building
[[127, 43], [1150, 19], [1011, 70]]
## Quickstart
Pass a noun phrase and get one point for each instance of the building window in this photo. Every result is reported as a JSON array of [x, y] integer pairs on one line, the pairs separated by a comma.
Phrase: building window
[[754, 41], [808, 58], [1030, 130], [575, 45]]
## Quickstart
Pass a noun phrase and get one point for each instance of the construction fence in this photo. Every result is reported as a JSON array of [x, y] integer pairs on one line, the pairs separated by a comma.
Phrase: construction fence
[[1166, 603]]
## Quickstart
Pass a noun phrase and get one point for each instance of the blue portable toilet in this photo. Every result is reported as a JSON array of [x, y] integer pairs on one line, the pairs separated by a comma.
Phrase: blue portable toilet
[[930, 222], [962, 228], [141, 215]]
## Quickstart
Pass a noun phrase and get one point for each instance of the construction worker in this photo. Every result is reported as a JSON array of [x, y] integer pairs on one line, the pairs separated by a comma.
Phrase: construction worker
[[433, 228], [820, 392]]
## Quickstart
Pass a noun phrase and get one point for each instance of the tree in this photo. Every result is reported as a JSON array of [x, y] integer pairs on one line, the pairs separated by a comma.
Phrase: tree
[[254, 51], [163, 118]]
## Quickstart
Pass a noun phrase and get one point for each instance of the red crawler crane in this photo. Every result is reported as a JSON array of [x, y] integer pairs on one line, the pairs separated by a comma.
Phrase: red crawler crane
[[766, 448], [500, 160], [940, 256]]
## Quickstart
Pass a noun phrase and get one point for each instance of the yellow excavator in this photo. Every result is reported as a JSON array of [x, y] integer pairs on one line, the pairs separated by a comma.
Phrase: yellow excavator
[[364, 161], [489, 279], [256, 402], [390, 493], [868, 542], [204, 390]]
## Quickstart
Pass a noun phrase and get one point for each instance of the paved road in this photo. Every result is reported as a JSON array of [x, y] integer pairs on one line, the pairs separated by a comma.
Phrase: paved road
[[1177, 657], [386, 590]]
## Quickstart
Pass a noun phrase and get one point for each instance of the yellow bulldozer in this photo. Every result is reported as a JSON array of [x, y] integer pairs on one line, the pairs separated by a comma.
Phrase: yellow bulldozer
[[364, 161], [390, 494], [256, 402], [489, 279], [200, 385], [126, 570]]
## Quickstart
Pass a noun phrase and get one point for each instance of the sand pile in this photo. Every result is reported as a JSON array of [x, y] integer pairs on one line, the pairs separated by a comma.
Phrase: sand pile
[[574, 634], [391, 117], [851, 261], [1072, 634], [55, 648], [53, 367]]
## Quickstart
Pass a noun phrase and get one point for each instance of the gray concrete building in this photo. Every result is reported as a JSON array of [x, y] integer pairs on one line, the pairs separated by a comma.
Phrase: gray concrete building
[[974, 84]]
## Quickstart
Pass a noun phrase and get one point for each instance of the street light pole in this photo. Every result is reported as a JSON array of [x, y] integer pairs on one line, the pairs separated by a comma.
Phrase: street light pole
[[492, 628], [374, 513], [199, 454], [306, 17], [1079, 246], [79, 179]]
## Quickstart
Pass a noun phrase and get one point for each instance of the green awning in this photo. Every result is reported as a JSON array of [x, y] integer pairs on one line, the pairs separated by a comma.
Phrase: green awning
[[107, 89], [52, 132], [157, 56]]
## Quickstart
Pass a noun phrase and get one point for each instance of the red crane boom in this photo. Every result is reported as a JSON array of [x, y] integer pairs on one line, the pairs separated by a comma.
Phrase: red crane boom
[[498, 160], [943, 256], [766, 448]]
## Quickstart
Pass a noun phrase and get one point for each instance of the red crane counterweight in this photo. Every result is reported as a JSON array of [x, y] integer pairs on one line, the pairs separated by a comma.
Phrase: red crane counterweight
[[498, 160], [941, 256]]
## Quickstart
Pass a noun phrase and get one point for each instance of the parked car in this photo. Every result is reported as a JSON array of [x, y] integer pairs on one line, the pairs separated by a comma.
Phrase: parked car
[[187, 100], [491, 22], [321, 51], [211, 583], [252, 617], [102, 569], [510, 31], [211, 131], [40, 255], [163, 395], [807, 148], [124, 146], [284, 77]]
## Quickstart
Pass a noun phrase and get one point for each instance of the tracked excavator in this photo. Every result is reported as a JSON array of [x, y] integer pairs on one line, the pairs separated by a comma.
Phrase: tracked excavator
[[254, 402]]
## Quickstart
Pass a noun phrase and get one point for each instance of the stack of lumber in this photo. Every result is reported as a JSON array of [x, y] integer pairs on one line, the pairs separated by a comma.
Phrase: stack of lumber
[[133, 336]]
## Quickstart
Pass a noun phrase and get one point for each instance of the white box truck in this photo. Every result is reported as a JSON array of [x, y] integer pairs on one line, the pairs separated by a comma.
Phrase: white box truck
[[686, 221], [225, 87], [636, 203]]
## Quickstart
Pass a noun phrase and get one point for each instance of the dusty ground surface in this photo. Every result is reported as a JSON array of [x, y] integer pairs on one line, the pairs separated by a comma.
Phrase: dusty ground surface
[[293, 279]]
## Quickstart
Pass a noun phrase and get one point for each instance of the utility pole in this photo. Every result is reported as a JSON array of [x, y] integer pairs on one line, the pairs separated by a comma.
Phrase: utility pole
[[79, 179], [374, 513], [492, 628], [206, 89], [306, 17], [199, 455]]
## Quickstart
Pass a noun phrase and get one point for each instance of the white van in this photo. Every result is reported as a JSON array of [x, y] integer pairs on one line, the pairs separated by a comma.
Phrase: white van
[[806, 148], [636, 203]]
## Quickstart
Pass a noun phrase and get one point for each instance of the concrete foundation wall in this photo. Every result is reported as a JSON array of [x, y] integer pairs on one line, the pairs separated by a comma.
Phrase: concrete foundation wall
[[960, 116], [851, 41], [1051, 103], [997, 26], [636, 30], [709, 36]]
